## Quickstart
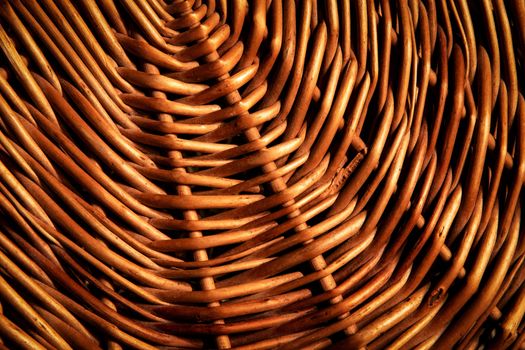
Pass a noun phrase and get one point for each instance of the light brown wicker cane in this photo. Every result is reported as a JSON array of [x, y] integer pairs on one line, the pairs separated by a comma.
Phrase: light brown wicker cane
[[262, 174]]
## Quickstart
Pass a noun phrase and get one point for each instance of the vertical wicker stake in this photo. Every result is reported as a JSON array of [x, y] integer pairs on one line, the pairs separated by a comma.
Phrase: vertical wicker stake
[[262, 174]]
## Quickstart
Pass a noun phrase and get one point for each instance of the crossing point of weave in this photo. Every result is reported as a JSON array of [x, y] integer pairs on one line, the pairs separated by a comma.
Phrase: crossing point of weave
[[266, 174]]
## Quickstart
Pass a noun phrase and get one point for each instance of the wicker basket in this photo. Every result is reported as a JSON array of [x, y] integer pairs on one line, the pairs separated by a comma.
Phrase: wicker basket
[[262, 174]]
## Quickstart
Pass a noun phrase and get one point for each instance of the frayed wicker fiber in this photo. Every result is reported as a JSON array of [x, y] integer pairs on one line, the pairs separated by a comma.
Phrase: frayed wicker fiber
[[258, 174]]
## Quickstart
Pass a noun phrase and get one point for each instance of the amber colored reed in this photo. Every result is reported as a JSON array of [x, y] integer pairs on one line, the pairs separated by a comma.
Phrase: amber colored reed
[[262, 174]]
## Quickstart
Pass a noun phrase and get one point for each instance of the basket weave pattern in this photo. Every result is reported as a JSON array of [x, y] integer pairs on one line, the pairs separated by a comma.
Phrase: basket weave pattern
[[262, 174]]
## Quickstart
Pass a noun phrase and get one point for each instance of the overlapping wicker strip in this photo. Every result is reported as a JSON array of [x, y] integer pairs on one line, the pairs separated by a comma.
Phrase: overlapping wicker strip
[[262, 174]]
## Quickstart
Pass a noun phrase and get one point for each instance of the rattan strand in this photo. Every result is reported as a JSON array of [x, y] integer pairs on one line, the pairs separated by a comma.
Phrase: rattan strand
[[262, 174]]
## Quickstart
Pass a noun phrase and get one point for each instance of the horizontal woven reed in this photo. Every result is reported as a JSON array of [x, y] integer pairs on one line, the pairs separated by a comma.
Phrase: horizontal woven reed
[[262, 174]]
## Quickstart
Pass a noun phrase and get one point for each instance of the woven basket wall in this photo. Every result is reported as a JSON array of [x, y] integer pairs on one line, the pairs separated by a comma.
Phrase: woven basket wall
[[262, 174]]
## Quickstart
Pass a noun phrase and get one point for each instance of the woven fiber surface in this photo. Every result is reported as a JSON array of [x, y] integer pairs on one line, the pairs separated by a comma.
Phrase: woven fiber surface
[[262, 174]]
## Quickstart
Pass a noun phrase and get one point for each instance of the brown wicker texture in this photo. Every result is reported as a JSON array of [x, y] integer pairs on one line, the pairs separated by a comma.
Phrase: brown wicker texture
[[262, 174]]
